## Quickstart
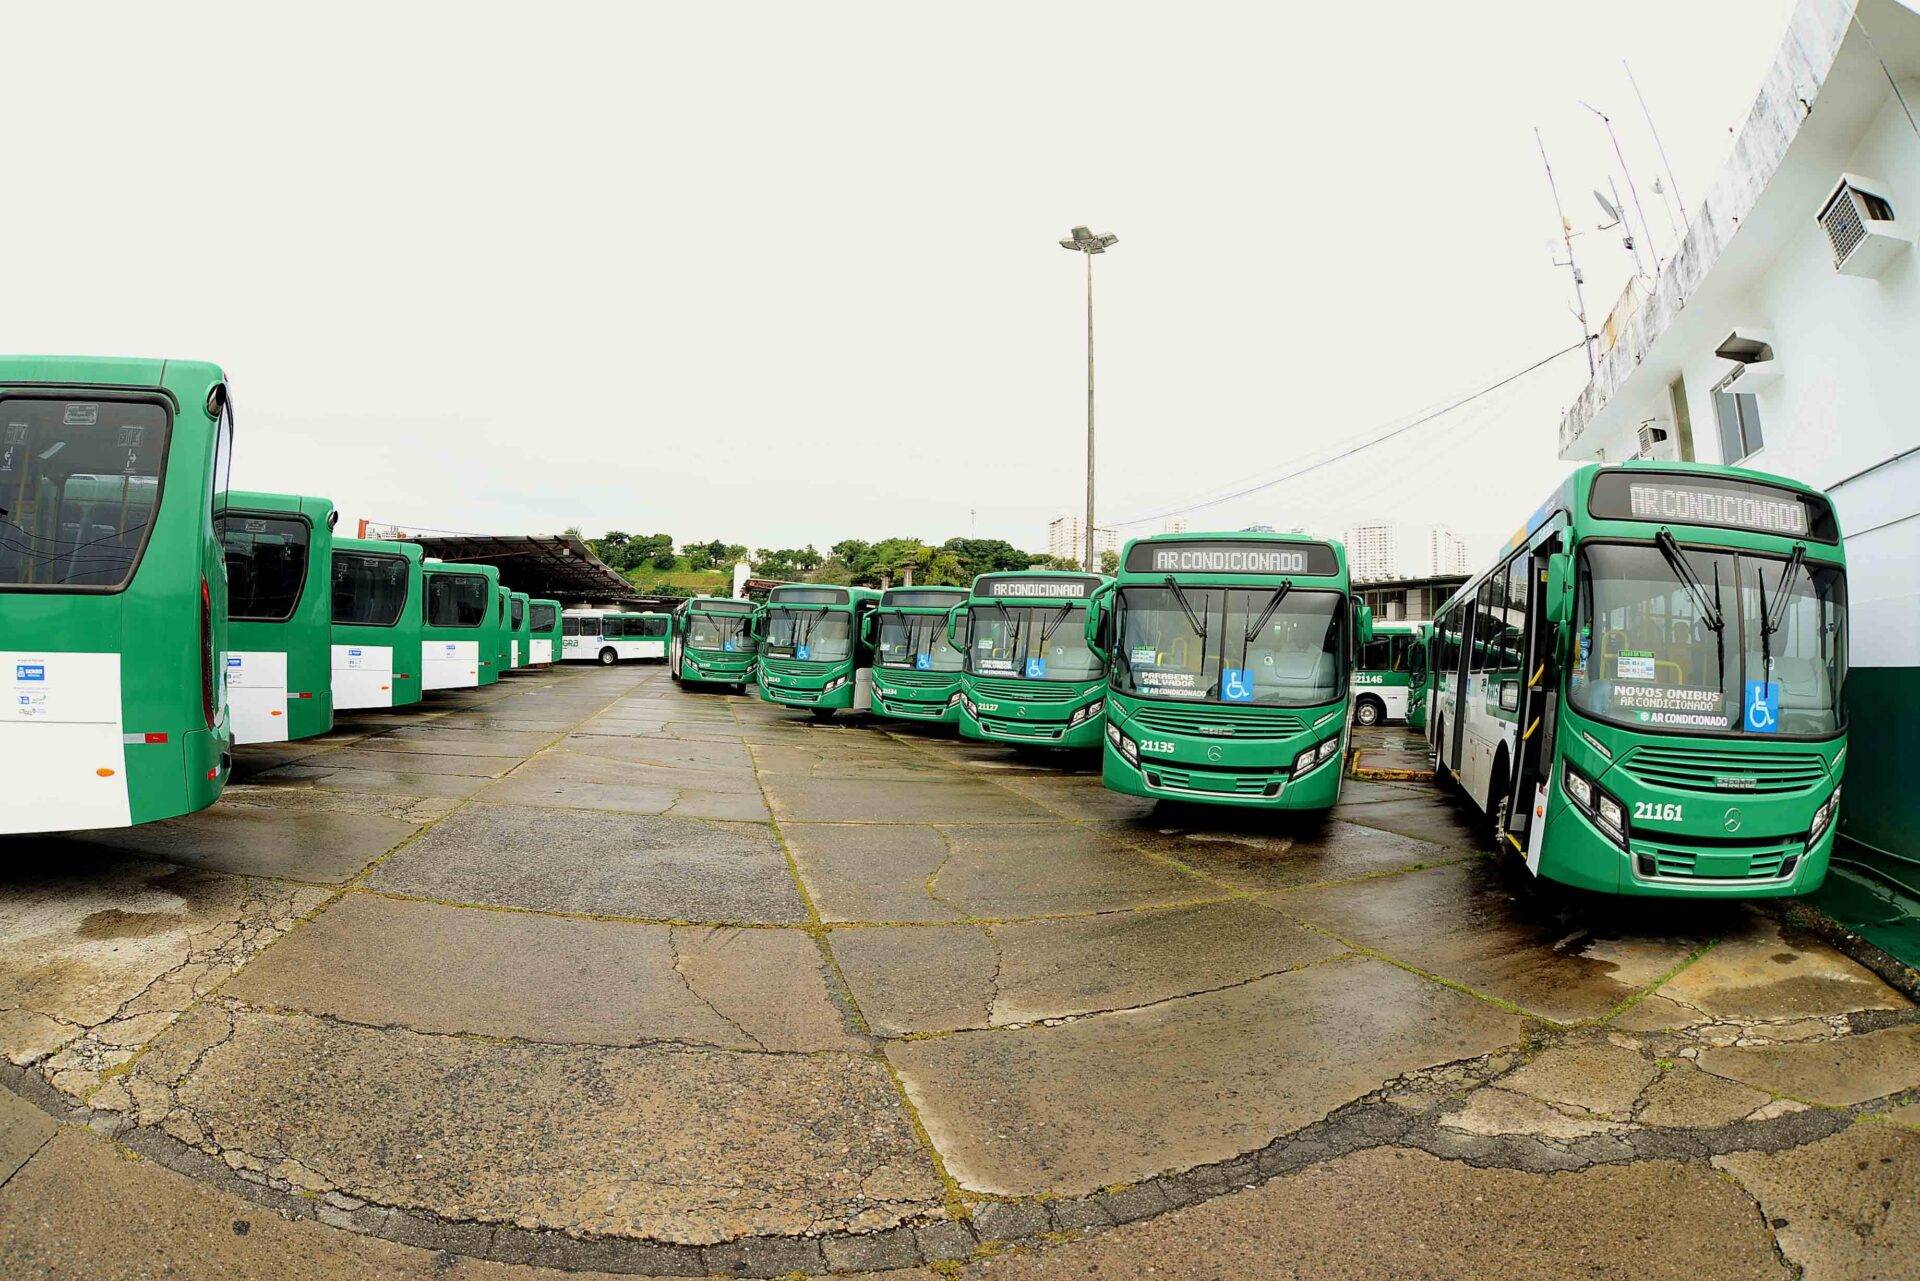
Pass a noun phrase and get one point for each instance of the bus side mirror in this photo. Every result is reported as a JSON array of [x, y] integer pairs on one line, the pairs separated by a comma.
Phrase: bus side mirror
[[953, 624], [1364, 623], [866, 629], [1559, 603], [1098, 623]]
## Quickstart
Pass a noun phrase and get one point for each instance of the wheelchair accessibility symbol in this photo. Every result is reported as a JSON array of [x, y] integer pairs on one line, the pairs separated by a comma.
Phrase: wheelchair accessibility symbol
[[1236, 685], [923, 662], [1762, 704]]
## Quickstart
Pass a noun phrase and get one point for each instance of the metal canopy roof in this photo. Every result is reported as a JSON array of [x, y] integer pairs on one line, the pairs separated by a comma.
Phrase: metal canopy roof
[[554, 567]]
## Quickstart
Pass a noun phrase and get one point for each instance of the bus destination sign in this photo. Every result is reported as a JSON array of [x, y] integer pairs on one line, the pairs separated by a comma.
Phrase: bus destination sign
[[1232, 557], [1039, 588], [1721, 501], [807, 596]]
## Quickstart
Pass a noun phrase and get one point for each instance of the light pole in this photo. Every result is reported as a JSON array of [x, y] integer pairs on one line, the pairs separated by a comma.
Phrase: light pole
[[1082, 241]]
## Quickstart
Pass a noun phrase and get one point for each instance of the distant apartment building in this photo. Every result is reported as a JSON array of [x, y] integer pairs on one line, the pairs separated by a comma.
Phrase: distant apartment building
[[1387, 550], [1067, 536]]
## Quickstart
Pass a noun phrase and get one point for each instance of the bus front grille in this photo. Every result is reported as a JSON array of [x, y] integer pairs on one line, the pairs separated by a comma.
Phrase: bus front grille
[[1026, 691], [1217, 722], [1670, 861], [1041, 731], [792, 666], [1215, 782], [1749, 773], [908, 677]]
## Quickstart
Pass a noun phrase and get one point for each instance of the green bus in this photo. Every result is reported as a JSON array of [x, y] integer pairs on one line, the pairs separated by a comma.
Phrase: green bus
[[457, 605], [279, 659], [1232, 655], [376, 626], [113, 599], [916, 669], [713, 642], [1420, 679], [1643, 693], [1029, 675], [520, 630], [543, 623], [812, 650], [1391, 668]]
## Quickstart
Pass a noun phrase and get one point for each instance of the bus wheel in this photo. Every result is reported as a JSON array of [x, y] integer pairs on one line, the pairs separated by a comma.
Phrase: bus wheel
[[1439, 740], [1368, 712], [608, 658]]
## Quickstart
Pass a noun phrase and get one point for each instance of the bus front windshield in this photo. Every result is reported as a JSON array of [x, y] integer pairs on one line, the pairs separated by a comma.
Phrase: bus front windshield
[[811, 635], [1269, 647], [917, 641], [1033, 642], [724, 632], [1648, 653]]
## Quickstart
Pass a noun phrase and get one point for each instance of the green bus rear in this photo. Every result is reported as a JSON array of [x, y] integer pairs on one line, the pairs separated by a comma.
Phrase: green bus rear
[[1644, 694], [812, 654], [376, 623], [113, 594], [1029, 674], [916, 669], [1232, 656], [1391, 668], [520, 631], [457, 605], [543, 625], [279, 661], [713, 642]]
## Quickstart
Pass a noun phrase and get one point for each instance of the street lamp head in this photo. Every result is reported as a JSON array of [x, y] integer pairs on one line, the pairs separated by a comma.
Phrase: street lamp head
[[1081, 240]]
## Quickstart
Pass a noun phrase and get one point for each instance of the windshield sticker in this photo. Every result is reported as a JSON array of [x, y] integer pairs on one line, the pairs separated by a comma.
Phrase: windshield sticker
[[1762, 704], [1634, 665], [1660, 705], [1236, 685], [996, 664], [803, 651], [1145, 654], [1036, 669], [923, 662], [729, 645]]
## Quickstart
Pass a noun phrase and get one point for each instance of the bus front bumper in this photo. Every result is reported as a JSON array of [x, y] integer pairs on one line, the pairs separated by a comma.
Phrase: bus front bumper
[[1575, 852], [944, 710], [1037, 725], [822, 691], [728, 670]]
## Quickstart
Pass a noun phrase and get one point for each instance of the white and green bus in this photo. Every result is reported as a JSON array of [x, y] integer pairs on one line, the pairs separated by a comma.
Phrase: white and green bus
[[609, 636], [1392, 667], [1643, 693]]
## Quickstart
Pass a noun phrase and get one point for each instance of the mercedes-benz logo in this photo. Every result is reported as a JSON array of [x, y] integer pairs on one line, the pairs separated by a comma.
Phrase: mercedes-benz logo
[[1213, 753], [1732, 821]]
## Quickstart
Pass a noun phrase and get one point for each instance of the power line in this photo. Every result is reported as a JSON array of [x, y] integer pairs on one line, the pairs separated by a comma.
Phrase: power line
[[1362, 446]]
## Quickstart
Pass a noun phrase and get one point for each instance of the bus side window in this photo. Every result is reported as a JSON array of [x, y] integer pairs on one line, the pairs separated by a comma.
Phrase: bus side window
[[1513, 645]]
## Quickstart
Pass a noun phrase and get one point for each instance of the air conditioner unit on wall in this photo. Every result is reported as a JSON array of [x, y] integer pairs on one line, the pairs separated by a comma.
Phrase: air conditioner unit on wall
[[1861, 228], [1656, 442]]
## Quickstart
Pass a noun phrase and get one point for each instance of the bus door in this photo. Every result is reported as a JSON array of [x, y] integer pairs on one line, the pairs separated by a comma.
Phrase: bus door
[[1534, 745], [1463, 664], [1415, 662]]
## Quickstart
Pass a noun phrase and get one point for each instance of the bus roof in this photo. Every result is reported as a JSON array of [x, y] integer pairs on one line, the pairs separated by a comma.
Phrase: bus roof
[[462, 567], [314, 509], [1232, 555], [938, 596], [412, 552], [116, 371], [810, 594]]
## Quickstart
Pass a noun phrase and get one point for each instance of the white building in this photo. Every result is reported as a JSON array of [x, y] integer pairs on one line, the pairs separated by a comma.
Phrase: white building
[[1067, 536], [1386, 550], [1784, 336]]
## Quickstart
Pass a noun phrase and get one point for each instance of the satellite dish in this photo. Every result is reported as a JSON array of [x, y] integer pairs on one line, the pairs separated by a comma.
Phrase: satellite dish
[[1607, 205]]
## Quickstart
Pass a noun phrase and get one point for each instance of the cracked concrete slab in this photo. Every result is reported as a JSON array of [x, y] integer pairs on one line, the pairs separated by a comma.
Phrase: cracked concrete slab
[[870, 872], [1592, 1073], [598, 864], [1485, 926], [669, 1143], [1395, 1213], [1114, 1098], [1761, 971], [943, 799], [1422, 816], [1275, 852], [1684, 1096], [1847, 1206], [574, 781], [24, 1130], [315, 772], [330, 846], [1838, 1072], [434, 968], [406, 762]]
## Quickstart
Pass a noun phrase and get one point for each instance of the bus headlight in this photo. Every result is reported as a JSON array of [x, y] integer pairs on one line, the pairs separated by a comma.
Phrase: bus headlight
[[1087, 713], [1579, 788], [954, 698], [1823, 816], [834, 684], [1310, 758], [1328, 748], [1610, 818], [1122, 744], [1592, 800]]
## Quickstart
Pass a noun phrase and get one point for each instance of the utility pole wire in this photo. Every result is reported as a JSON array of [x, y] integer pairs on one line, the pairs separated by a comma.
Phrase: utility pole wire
[[1360, 448]]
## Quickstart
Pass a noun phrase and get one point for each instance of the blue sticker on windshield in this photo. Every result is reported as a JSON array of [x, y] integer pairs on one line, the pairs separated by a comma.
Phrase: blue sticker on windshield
[[923, 662], [1762, 705], [1036, 669], [729, 645], [803, 651], [1236, 685]]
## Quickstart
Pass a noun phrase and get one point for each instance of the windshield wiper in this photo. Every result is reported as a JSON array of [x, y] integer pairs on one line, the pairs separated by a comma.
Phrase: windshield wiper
[[1772, 618], [1186, 607], [1683, 570], [1279, 594], [1058, 619]]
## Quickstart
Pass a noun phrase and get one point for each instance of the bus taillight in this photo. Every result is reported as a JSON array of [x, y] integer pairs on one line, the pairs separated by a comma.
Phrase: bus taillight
[[208, 700]]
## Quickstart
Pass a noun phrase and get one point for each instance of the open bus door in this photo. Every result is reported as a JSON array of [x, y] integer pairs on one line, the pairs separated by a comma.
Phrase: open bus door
[[1538, 709]]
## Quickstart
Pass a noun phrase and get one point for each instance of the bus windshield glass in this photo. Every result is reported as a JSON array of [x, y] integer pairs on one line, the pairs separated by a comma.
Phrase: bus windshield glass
[[368, 590], [1248, 647], [724, 632], [917, 641], [811, 635], [1647, 654], [78, 480], [456, 600], [266, 566], [1033, 642]]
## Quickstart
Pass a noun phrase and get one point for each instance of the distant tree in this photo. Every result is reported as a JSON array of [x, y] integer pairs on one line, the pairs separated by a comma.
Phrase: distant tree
[[986, 555], [1037, 560], [786, 562], [665, 561], [1109, 562]]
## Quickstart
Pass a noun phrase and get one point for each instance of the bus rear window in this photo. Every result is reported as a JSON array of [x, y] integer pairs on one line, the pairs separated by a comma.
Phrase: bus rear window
[[456, 600], [78, 485], [266, 566], [519, 613], [544, 617], [368, 590]]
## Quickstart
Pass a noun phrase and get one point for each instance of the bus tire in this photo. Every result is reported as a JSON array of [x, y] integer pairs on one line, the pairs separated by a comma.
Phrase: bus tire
[[1440, 772], [1368, 711], [608, 657]]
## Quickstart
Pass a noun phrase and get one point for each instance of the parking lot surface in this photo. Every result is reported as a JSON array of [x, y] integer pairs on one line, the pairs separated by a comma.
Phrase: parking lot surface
[[586, 973]]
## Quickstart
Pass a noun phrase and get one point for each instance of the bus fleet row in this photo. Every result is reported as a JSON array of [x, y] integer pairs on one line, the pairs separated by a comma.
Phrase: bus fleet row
[[1643, 695]]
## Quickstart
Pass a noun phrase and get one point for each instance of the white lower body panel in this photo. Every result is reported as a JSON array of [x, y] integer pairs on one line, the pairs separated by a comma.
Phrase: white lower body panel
[[362, 676], [449, 664], [542, 651], [257, 695], [62, 750]]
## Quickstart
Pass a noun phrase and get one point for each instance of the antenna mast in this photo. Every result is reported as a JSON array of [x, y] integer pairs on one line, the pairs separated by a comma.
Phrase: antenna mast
[[1631, 189], [1566, 238], [1673, 184]]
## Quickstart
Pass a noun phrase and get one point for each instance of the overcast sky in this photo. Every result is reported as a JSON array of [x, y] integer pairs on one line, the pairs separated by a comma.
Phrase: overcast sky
[[788, 273]]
